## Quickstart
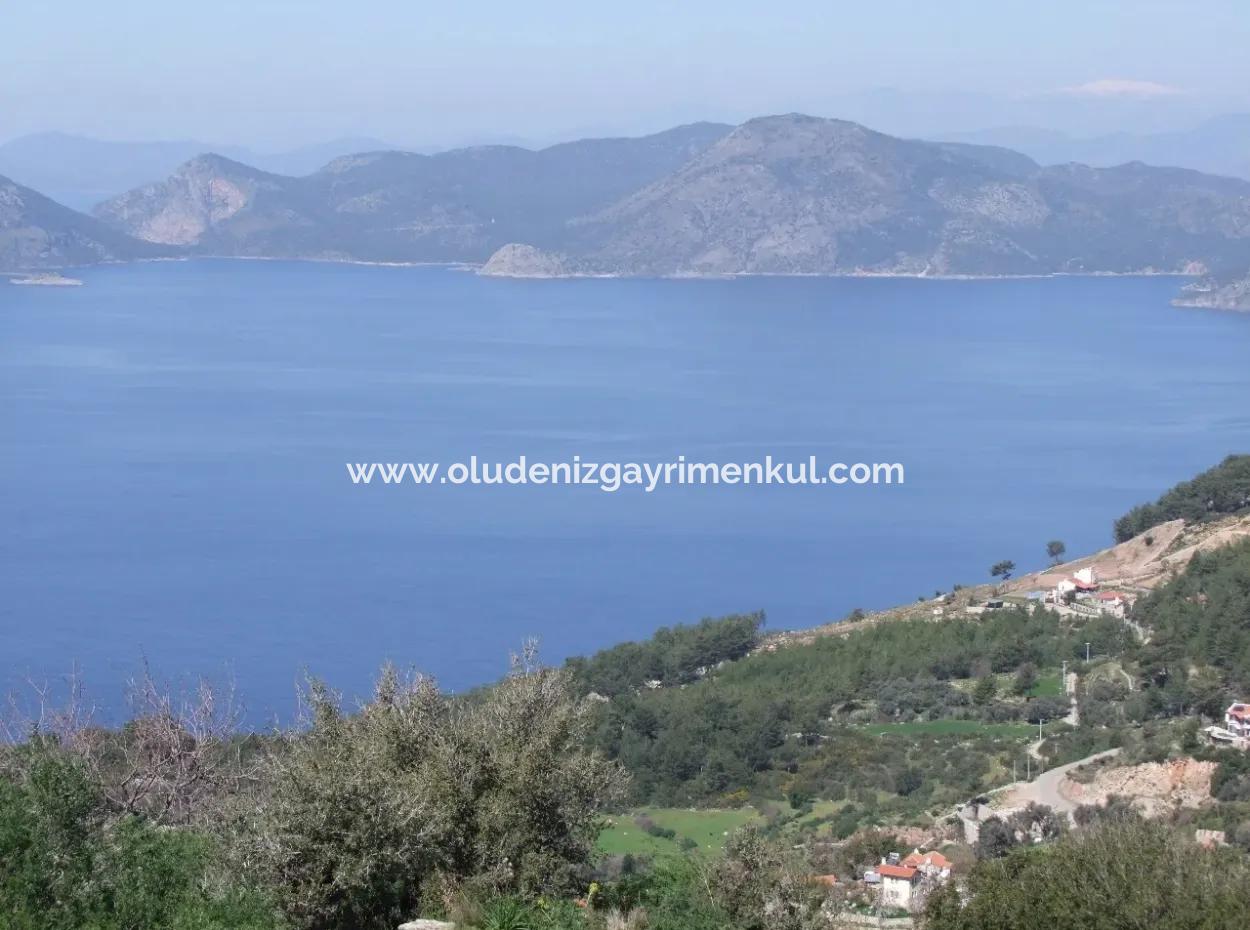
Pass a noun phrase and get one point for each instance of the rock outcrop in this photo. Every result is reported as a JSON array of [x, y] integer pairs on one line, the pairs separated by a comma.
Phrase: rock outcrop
[[1231, 295], [517, 260], [185, 208], [1155, 788]]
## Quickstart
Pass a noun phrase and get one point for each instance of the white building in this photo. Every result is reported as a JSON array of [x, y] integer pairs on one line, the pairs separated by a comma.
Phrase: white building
[[1113, 603], [1237, 720], [1087, 577], [897, 884]]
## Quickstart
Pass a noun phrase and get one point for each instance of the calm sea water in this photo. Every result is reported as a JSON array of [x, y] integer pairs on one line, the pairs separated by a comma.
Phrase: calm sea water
[[174, 439]]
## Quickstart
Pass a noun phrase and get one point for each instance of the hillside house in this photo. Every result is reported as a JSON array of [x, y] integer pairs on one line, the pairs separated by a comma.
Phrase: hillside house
[[1083, 583], [929, 863], [1222, 737], [1112, 603], [1237, 720], [898, 882]]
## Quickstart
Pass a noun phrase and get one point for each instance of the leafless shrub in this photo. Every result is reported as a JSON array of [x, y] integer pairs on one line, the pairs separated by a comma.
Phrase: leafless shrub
[[174, 760], [635, 918]]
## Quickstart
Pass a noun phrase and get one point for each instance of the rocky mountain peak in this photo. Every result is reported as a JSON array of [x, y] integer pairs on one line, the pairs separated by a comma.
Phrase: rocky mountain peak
[[204, 192]]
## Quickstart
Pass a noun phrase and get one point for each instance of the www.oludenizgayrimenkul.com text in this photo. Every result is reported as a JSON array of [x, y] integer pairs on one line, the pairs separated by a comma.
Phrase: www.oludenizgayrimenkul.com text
[[613, 476]]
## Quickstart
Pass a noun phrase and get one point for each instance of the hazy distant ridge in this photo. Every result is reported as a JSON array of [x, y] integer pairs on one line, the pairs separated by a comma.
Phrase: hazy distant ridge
[[80, 172], [1220, 145], [400, 206], [777, 195]]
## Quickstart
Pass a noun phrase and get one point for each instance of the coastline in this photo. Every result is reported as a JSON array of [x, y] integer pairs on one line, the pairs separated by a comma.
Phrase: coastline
[[920, 276], [476, 268], [1192, 304], [44, 279], [453, 266]]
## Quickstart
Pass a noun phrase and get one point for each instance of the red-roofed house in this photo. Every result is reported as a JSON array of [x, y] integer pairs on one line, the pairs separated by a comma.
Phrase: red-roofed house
[[1237, 720], [930, 863], [897, 884]]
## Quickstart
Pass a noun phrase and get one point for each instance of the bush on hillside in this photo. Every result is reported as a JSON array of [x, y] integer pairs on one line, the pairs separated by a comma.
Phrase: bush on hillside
[[368, 814], [673, 656], [1120, 872], [67, 864], [1222, 490]]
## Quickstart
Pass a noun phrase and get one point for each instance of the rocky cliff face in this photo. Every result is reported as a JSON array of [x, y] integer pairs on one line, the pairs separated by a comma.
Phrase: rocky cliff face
[[36, 233], [186, 208], [515, 260]]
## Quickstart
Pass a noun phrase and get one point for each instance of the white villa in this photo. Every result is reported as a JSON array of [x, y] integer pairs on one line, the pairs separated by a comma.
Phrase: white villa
[[1236, 729], [907, 884], [1083, 582], [897, 884], [1237, 720]]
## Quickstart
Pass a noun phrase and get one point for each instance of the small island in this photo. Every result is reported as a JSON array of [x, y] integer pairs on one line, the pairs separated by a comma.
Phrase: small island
[[47, 279]]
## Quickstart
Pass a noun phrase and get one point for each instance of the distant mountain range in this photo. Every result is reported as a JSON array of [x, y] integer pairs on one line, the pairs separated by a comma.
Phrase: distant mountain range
[[783, 195], [799, 195], [400, 206], [1220, 145], [80, 172]]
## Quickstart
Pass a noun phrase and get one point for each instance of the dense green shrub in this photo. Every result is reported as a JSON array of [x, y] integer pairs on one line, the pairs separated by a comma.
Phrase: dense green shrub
[[1219, 491], [1120, 872], [783, 721], [367, 815], [674, 655], [1201, 617], [64, 865]]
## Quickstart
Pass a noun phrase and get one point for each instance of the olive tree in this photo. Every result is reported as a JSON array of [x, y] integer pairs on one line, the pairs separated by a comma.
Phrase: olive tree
[[364, 815]]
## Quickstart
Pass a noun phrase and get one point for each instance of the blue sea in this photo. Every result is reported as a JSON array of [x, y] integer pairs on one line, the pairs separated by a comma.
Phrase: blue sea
[[174, 435]]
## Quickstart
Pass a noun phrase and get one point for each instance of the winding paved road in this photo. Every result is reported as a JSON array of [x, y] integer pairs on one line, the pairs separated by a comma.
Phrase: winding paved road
[[1045, 788], [1042, 790]]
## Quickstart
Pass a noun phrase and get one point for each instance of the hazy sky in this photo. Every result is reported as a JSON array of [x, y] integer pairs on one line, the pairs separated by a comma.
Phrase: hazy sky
[[281, 72]]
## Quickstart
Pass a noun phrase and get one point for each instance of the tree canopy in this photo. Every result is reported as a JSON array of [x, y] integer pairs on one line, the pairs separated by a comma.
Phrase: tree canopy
[[1222, 490]]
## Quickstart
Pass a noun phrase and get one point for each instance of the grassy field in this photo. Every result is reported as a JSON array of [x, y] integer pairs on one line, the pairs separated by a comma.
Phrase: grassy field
[[1110, 671], [708, 828], [1048, 685], [952, 728]]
